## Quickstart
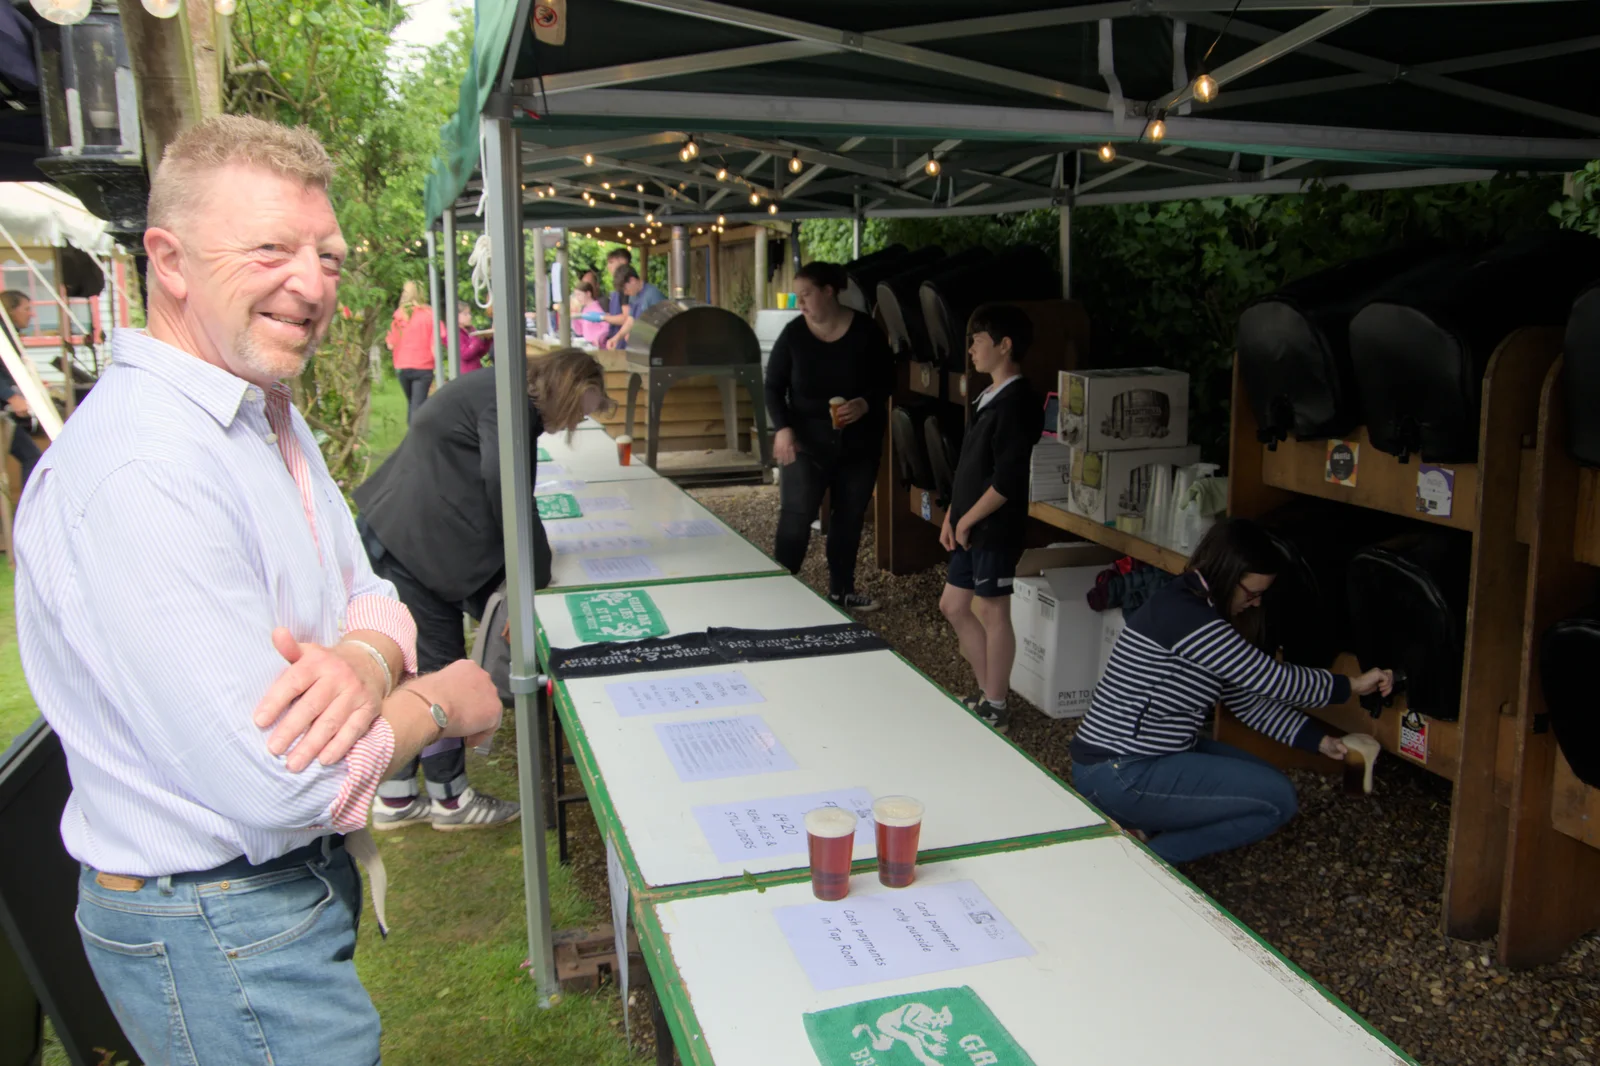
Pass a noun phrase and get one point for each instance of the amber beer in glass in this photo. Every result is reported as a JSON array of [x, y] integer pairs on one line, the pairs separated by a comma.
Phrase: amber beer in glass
[[624, 450], [833, 410], [831, 837], [899, 820]]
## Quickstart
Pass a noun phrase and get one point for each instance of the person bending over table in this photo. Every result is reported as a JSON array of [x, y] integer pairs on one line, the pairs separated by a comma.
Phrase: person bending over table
[[1139, 754], [829, 352], [431, 521]]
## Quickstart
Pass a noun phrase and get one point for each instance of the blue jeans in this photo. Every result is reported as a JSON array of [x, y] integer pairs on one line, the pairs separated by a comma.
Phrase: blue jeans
[[249, 971], [1194, 803]]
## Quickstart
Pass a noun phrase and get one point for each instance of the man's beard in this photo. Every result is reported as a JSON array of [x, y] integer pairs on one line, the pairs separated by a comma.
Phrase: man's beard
[[276, 362]]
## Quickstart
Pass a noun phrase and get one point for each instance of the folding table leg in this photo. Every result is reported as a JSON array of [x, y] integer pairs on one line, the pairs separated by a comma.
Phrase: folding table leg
[[550, 728], [665, 1052]]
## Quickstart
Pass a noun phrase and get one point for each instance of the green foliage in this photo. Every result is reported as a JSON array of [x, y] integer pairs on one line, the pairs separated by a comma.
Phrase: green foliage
[[1580, 210], [1165, 283], [326, 64]]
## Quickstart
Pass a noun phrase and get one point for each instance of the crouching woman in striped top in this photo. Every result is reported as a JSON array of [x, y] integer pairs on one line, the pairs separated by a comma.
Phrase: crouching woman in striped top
[[1140, 755]]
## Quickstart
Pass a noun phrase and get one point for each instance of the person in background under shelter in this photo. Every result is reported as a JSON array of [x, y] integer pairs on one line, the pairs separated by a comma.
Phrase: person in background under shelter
[[1140, 754], [411, 340], [197, 620], [470, 350], [983, 527], [19, 309], [617, 302], [432, 523], [641, 296], [592, 329], [830, 351]]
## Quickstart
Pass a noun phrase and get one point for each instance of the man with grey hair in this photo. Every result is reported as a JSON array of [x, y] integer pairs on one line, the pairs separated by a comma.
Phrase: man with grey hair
[[200, 625]]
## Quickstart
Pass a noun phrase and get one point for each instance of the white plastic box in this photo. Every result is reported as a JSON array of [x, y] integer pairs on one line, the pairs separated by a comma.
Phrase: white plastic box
[[1108, 410], [1058, 636]]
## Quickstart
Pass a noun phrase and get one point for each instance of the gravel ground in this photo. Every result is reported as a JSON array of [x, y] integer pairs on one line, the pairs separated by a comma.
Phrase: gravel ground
[[1349, 891]]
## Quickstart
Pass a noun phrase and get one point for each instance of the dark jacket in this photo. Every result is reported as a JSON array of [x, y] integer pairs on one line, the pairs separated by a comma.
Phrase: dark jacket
[[435, 503], [997, 452], [804, 373]]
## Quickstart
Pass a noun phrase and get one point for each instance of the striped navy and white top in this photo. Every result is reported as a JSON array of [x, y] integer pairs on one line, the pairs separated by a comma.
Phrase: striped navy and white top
[[1174, 660]]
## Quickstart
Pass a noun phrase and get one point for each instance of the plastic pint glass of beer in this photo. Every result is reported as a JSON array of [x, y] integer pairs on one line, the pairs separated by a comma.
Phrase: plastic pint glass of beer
[[831, 836], [899, 821], [833, 410], [624, 450]]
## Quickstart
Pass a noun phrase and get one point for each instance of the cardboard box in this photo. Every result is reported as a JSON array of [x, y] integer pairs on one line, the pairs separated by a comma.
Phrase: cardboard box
[[1108, 485], [1050, 473], [1058, 636], [1108, 410]]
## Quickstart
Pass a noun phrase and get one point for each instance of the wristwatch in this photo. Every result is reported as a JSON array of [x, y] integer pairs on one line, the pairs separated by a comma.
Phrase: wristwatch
[[440, 718]]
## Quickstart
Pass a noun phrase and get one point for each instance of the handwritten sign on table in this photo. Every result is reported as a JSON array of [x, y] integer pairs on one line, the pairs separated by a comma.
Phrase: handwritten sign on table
[[586, 526], [555, 484], [723, 747], [577, 545], [620, 568], [607, 503], [687, 693], [694, 527], [754, 829], [885, 934]]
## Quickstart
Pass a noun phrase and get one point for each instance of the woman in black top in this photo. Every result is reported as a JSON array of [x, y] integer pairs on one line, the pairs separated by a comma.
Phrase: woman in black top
[[829, 352]]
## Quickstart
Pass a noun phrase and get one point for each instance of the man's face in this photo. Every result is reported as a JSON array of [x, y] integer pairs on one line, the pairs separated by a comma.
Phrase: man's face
[[613, 262], [260, 266], [632, 286], [22, 315]]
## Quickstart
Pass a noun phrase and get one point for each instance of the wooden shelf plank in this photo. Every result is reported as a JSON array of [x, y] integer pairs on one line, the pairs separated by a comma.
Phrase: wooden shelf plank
[[1127, 543], [1383, 483]]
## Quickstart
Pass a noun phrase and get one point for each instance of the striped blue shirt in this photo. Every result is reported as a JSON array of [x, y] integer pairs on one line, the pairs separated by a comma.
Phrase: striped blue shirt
[[1176, 658], [162, 538]]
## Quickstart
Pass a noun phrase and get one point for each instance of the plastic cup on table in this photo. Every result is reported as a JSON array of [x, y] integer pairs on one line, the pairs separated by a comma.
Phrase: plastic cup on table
[[833, 410], [831, 837], [624, 450], [899, 820]]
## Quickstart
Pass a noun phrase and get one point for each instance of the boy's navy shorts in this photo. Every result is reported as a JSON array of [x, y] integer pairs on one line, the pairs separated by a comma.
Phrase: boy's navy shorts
[[987, 572]]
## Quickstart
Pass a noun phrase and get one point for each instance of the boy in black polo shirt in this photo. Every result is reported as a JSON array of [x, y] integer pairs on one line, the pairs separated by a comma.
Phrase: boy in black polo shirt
[[983, 529]]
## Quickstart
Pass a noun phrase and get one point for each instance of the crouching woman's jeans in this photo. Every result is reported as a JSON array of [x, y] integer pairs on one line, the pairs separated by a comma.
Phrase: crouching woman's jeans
[[241, 965], [1195, 803]]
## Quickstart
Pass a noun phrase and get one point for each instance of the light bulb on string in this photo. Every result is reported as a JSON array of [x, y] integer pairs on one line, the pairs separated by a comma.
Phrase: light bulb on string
[[552, 190], [1108, 153], [722, 173], [794, 163], [640, 187], [650, 218], [722, 220], [755, 199], [692, 148], [1158, 129], [538, 192], [162, 9], [613, 195], [772, 209], [683, 154], [62, 12], [605, 185], [588, 160], [1205, 88], [931, 167], [226, 8], [699, 229]]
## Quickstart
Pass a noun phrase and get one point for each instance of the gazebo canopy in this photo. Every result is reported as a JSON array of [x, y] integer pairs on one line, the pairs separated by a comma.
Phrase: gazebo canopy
[[1016, 104]]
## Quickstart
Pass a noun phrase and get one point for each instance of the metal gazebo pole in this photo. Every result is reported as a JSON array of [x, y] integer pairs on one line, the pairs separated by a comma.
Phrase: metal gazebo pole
[[433, 303], [450, 290], [502, 183]]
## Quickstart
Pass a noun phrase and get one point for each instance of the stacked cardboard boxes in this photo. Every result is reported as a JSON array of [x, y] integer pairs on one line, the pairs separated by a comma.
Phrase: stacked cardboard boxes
[[1061, 642], [1124, 432]]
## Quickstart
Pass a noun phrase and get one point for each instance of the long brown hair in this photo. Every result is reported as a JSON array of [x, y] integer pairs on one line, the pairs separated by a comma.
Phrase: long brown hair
[[557, 382], [1231, 549]]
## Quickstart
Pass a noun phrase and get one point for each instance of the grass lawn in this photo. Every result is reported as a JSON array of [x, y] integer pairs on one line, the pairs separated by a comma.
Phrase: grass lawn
[[447, 981], [17, 710]]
